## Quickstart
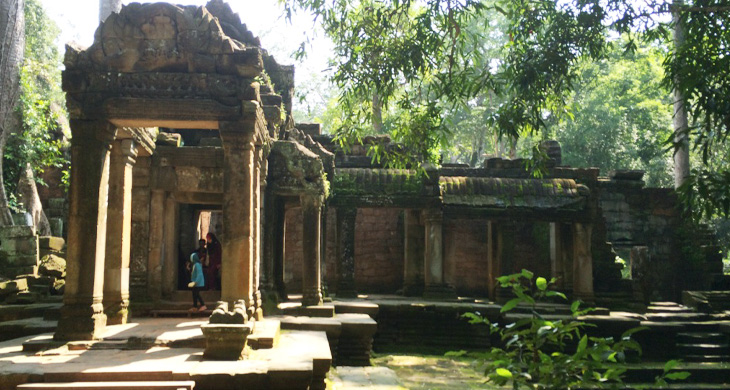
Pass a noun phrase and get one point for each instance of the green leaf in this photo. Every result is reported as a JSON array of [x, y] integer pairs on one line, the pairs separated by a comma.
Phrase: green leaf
[[582, 345], [527, 274], [670, 365], [678, 376], [510, 305], [504, 373], [541, 283]]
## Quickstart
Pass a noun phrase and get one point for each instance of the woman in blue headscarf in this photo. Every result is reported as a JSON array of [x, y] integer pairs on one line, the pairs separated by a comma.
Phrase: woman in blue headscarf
[[197, 282]]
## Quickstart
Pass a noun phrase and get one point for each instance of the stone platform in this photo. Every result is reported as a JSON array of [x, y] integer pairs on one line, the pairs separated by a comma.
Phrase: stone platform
[[168, 349]]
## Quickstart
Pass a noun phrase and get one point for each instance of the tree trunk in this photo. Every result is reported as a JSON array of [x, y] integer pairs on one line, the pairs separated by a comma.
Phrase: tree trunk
[[681, 125], [12, 44], [28, 195], [377, 114], [106, 7]]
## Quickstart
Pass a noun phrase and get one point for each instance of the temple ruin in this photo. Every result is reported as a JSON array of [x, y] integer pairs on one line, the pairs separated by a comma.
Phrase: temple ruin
[[182, 124]]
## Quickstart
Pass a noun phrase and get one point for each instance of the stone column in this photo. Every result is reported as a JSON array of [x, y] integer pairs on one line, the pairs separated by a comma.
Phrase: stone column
[[82, 314], [170, 260], [494, 258], [413, 255], [582, 262], [238, 209], [154, 259], [279, 246], [258, 157], [557, 270], [118, 232], [434, 256], [346, 218], [311, 272]]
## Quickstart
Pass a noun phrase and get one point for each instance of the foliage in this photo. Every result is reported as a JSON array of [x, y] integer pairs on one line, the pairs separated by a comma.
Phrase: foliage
[[623, 116], [39, 142], [427, 52], [544, 354]]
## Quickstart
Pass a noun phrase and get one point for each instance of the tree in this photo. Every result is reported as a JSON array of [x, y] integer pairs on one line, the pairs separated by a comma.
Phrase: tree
[[37, 141], [622, 115], [428, 53], [12, 42]]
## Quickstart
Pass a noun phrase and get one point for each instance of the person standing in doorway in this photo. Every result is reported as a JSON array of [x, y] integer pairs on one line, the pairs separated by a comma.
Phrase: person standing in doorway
[[214, 252], [197, 283]]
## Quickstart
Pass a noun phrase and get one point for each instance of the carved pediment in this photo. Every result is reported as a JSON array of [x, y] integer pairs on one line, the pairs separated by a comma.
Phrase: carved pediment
[[162, 37]]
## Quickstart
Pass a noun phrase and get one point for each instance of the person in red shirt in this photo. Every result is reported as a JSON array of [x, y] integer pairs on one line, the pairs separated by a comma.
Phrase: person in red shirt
[[214, 253]]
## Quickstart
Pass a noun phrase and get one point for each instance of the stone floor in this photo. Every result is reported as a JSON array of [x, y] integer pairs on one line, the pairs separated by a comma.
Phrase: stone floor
[[166, 349]]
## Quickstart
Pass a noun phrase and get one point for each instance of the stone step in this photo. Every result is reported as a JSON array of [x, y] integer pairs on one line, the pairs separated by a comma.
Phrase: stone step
[[669, 309], [701, 337], [706, 372], [145, 385], [25, 327], [265, 334], [706, 358], [676, 317], [347, 307], [702, 349], [18, 312], [180, 313]]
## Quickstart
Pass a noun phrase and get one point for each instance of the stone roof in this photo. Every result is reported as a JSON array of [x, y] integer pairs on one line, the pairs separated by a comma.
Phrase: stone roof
[[510, 193], [364, 181]]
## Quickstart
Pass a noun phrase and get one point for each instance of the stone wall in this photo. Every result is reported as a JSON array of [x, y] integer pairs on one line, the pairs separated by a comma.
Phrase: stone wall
[[465, 256], [293, 250], [378, 250], [18, 251], [647, 217]]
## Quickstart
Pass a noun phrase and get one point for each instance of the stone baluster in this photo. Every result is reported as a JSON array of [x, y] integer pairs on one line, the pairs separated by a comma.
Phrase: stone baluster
[[346, 218], [82, 315], [119, 225], [311, 272]]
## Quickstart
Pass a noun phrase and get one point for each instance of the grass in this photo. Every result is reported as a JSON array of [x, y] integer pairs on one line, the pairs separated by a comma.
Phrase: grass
[[422, 372]]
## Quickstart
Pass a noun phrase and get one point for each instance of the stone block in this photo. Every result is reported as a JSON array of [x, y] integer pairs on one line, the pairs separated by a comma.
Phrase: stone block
[[52, 265], [16, 231], [57, 203], [52, 243], [225, 341], [13, 286], [56, 226], [211, 141], [23, 260], [169, 139], [20, 245]]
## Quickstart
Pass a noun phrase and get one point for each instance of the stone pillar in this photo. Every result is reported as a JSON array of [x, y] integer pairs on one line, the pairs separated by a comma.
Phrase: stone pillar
[[413, 255], [170, 260], [582, 262], [238, 209], [258, 157], [82, 315], [494, 258], [279, 244], [346, 218], [311, 272], [435, 287], [557, 269], [154, 259], [118, 232]]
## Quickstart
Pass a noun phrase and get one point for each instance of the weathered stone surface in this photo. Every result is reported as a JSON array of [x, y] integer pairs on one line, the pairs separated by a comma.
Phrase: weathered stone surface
[[52, 243], [52, 265], [16, 231], [225, 341], [13, 286], [169, 139]]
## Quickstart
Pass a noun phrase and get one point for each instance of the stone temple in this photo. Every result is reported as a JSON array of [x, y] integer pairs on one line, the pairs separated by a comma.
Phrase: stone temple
[[182, 124]]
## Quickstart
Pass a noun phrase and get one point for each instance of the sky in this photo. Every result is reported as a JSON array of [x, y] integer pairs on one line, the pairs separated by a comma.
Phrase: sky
[[78, 20]]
